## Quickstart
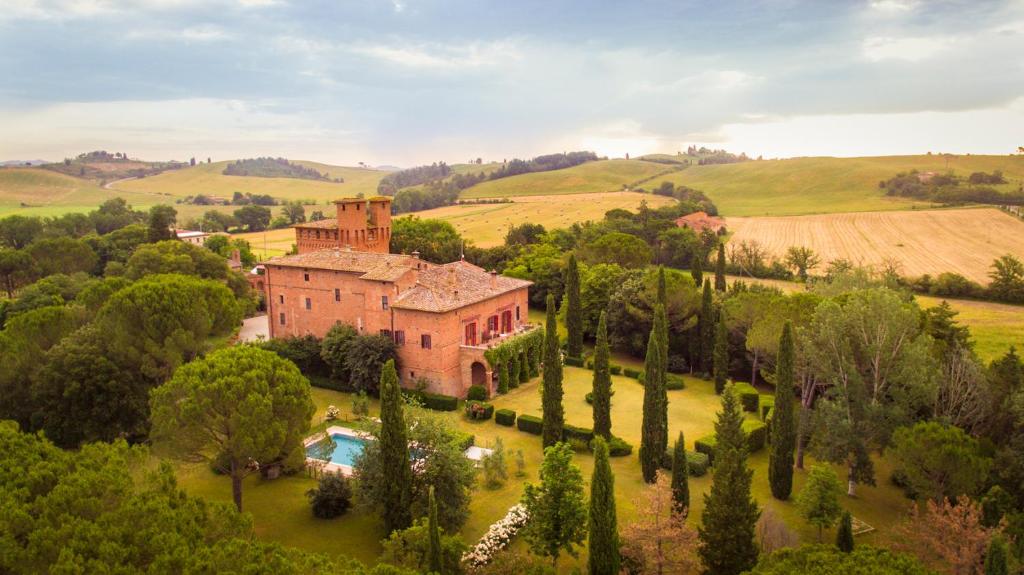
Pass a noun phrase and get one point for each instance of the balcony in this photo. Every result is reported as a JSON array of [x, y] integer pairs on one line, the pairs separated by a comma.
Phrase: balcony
[[491, 339]]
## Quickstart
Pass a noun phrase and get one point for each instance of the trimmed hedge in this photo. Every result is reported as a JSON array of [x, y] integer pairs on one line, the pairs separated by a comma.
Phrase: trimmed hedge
[[630, 372], [584, 434], [573, 361], [435, 401], [706, 446], [757, 435], [480, 410], [530, 424], [615, 369], [674, 382], [697, 463], [618, 447], [328, 383], [748, 396], [505, 417], [765, 403], [477, 393]]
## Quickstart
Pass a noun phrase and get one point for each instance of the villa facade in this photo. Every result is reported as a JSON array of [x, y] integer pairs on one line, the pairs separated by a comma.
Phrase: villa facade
[[443, 317]]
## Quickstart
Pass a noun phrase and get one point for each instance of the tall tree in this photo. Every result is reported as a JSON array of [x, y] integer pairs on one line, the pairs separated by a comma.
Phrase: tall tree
[[556, 507], [818, 501], [720, 284], [783, 430], [161, 221], [696, 268], [680, 478], [237, 405], [604, 528], [16, 270], [727, 542], [844, 535], [602, 392], [651, 430], [721, 356], [995, 559], [659, 540], [661, 325], [394, 453], [707, 329], [434, 551], [573, 312], [551, 403]]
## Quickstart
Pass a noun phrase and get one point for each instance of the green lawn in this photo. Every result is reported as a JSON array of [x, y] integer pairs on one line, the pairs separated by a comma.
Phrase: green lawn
[[826, 185], [994, 326], [599, 176], [281, 512]]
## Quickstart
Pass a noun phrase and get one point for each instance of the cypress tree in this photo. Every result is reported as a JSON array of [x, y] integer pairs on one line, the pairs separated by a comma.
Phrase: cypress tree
[[573, 312], [707, 329], [394, 453], [602, 391], [434, 552], [844, 535], [721, 358], [696, 269], [513, 370], [661, 325], [503, 376], [604, 531], [662, 290], [995, 559], [524, 366], [552, 392], [727, 544], [650, 433], [783, 430], [720, 284], [680, 478]]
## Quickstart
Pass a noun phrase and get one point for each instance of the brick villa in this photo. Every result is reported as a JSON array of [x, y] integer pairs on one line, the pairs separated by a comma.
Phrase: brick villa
[[700, 221], [442, 317]]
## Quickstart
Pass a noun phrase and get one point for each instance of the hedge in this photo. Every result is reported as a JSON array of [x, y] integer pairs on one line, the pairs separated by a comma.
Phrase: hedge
[[756, 431], [615, 369], [477, 393], [435, 401], [328, 383], [479, 410], [618, 447], [584, 434], [706, 446], [765, 403], [698, 463], [505, 417], [747, 395], [589, 397], [674, 382], [630, 372], [573, 361], [530, 424]]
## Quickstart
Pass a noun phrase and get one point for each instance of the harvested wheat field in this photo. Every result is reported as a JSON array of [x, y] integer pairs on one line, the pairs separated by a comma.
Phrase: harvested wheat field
[[965, 241]]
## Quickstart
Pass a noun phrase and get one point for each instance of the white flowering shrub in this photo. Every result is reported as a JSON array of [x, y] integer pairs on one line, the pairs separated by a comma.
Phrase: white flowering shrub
[[332, 413], [497, 537]]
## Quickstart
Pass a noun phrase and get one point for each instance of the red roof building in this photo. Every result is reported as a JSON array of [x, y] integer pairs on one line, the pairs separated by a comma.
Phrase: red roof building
[[700, 221]]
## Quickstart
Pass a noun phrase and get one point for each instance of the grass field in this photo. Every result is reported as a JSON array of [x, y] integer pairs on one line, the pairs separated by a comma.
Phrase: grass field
[[965, 241], [34, 191], [826, 185], [281, 512], [599, 176]]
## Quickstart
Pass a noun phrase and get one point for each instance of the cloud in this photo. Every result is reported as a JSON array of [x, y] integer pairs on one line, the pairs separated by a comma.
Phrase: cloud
[[443, 56], [893, 7], [879, 48]]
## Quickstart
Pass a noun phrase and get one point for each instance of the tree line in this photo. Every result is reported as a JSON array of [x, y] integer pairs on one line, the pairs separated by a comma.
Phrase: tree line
[[276, 168], [950, 188]]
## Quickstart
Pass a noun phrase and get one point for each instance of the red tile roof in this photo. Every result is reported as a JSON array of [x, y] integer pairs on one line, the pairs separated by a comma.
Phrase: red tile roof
[[370, 266], [329, 223], [700, 221], [451, 286]]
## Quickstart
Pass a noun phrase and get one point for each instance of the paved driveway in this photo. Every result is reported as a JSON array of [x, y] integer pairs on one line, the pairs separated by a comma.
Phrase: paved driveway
[[254, 329]]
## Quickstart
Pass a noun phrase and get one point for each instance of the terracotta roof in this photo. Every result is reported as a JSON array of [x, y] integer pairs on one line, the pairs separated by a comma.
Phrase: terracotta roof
[[371, 266], [700, 221], [451, 286], [329, 223]]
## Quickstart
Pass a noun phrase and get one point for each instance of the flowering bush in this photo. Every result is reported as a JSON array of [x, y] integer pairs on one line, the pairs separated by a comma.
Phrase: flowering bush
[[497, 537], [332, 413]]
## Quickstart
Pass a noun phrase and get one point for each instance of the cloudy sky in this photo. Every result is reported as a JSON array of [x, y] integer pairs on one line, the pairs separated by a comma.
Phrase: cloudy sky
[[411, 81]]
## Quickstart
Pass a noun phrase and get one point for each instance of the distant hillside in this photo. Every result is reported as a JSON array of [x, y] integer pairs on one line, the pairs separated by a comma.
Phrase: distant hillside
[[828, 185], [276, 168], [209, 180], [101, 166], [43, 192], [596, 176]]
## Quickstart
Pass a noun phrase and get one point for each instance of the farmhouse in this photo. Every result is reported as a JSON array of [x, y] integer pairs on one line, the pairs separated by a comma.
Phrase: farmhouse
[[192, 237], [700, 221], [442, 317]]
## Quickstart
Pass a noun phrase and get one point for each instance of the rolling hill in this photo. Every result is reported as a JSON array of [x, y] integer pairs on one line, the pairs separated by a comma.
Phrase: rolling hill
[[591, 177], [827, 185], [43, 192]]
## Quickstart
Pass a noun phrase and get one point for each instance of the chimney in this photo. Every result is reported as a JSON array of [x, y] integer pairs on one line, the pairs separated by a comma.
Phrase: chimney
[[494, 279]]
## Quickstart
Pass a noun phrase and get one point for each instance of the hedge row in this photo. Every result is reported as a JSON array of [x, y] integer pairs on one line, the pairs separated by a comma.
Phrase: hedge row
[[505, 417], [435, 401], [766, 402], [479, 409], [757, 435], [584, 434], [674, 382], [630, 372], [748, 396], [697, 462], [530, 424], [618, 447], [573, 361]]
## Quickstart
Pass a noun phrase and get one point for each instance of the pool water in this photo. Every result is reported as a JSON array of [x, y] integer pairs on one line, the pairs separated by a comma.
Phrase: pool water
[[348, 448]]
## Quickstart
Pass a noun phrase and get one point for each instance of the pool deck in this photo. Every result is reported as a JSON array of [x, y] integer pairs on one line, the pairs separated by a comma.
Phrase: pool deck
[[345, 470]]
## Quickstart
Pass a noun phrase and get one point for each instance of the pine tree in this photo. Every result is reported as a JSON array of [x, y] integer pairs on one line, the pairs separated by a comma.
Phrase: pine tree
[[720, 284], [721, 357], [783, 430], [604, 530], [573, 312], [680, 478], [554, 414], [650, 433], [434, 552], [844, 536], [602, 391], [661, 325], [557, 508], [727, 543], [707, 329], [394, 453], [995, 559], [696, 269]]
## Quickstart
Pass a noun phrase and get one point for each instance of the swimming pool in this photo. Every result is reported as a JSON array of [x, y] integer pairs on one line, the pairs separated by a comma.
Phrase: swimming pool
[[348, 448]]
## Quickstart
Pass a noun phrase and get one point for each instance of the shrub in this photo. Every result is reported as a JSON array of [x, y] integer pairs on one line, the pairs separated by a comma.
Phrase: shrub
[[360, 404], [435, 401], [464, 439], [618, 447], [578, 445], [479, 410], [697, 463], [676, 364], [674, 382], [706, 445], [630, 372], [615, 369], [325, 382], [747, 395], [766, 402], [757, 434], [573, 361], [476, 393], [494, 466], [589, 397], [530, 424], [505, 417], [571, 432], [332, 413], [332, 497]]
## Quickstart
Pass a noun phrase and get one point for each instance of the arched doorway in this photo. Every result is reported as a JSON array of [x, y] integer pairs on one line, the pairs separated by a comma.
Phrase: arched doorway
[[478, 374]]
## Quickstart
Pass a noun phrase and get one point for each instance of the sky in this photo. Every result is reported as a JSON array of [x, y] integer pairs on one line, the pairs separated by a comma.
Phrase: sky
[[405, 82]]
